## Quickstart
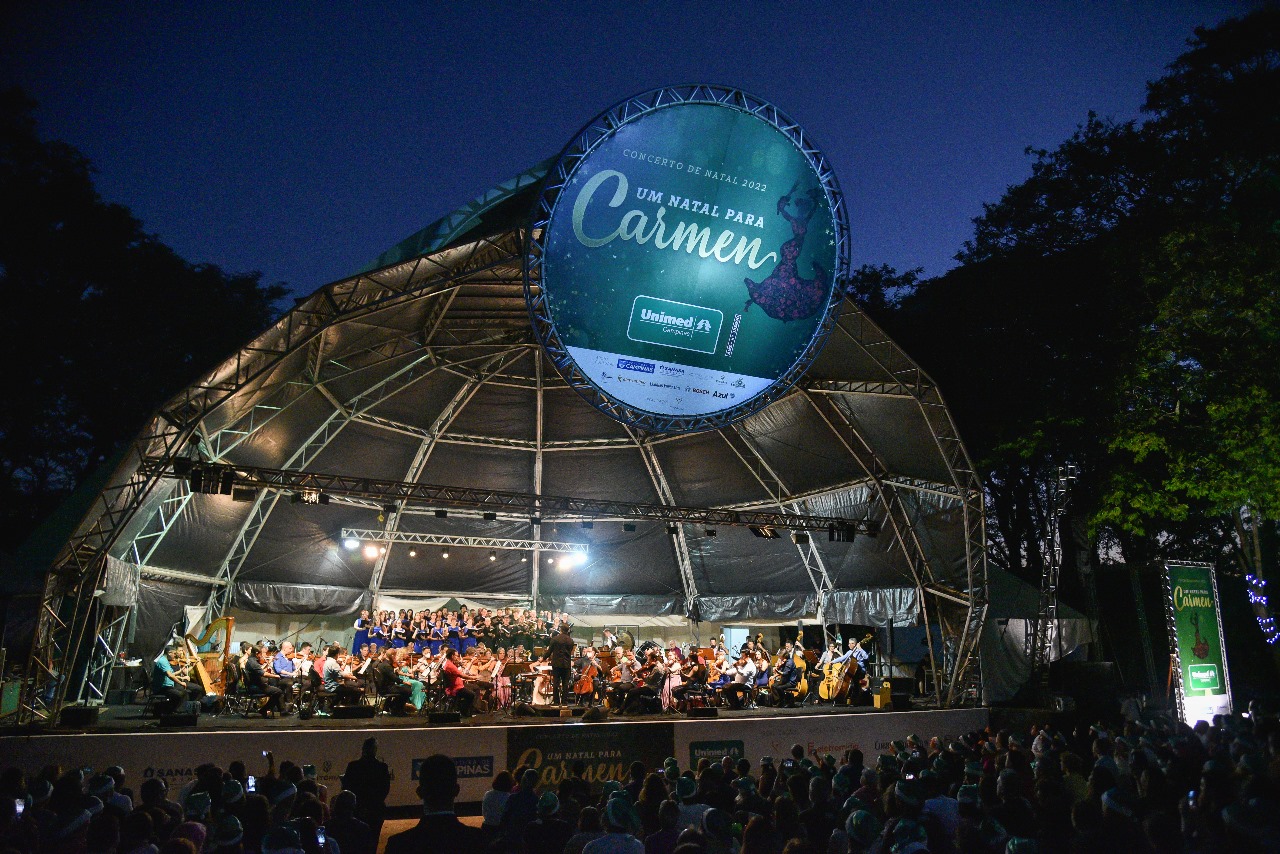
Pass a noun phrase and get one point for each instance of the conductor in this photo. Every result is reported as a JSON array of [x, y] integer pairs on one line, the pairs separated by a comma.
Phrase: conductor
[[560, 653]]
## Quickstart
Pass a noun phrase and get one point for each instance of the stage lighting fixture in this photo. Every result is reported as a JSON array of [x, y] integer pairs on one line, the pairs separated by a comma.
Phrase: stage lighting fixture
[[442, 514], [382, 550], [182, 466], [671, 529], [800, 538], [413, 552], [381, 517], [524, 558], [711, 532], [351, 544], [444, 553], [628, 527], [490, 516], [841, 533], [493, 555], [371, 551], [764, 532], [535, 520], [588, 525]]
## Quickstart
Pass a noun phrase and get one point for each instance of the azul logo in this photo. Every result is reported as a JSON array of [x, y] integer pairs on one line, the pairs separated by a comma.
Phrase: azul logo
[[674, 324], [632, 365]]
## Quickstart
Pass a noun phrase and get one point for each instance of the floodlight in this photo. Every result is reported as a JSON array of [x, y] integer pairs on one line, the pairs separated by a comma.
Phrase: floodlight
[[413, 552], [351, 544], [490, 516], [371, 551], [444, 553], [493, 555]]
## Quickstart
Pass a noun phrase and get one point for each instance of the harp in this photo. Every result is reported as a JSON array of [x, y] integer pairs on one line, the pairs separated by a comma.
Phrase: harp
[[209, 653]]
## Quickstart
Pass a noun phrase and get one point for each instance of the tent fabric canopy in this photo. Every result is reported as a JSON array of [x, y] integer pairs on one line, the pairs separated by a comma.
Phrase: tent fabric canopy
[[425, 369]]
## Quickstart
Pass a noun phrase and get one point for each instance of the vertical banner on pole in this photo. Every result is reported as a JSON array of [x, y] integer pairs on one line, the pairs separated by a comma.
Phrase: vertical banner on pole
[[1195, 640]]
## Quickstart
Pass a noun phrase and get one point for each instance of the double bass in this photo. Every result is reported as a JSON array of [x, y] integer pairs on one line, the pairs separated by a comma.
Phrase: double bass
[[802, 666]]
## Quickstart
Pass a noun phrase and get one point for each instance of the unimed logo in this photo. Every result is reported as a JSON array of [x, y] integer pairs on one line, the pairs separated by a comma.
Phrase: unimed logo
[[674, 324]]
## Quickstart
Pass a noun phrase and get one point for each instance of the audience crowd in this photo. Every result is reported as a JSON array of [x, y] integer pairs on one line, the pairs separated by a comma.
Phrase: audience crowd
[[1138, 787]]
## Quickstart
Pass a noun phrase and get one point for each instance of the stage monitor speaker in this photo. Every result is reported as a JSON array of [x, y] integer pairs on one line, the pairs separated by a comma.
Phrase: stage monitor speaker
[[902, 684], [901, 701], [180, 720], [704, 712], [444, 718], [120, 696], [79, 716], [595, 715], [353, 711]]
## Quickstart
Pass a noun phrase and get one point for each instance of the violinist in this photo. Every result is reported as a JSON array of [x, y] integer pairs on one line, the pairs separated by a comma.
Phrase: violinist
[[695, 679], [621, 679], [742, 677]]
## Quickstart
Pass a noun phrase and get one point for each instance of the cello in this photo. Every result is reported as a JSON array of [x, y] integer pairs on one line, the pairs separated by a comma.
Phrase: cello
[[586, 680]]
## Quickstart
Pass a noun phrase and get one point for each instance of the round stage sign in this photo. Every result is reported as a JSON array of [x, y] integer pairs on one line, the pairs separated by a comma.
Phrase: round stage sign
[[684, 258]]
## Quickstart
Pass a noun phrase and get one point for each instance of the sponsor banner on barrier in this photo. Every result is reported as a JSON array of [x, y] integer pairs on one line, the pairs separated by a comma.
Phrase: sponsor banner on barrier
[[606, 749], [834, 734]]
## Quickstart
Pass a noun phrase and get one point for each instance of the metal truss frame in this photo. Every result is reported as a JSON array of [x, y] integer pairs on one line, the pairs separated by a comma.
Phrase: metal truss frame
[[142, 502], [497, 543], [584, 143], [435, 495], [59, 654]]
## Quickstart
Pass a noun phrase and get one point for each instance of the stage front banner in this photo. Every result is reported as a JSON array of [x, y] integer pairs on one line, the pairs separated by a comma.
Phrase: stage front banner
[[479, 752]]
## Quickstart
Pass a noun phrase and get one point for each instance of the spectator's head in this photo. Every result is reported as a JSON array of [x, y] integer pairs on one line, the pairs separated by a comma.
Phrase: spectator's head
[[503, 781], [437, 782], [369, 750], [548, 804], [619, 817], [103, 834], [797, 752], [228, 833], [282, 839], [529, 780], [344, 805], [636, 771], [589, 820], [153, 791], [862, 828], [669, 815]]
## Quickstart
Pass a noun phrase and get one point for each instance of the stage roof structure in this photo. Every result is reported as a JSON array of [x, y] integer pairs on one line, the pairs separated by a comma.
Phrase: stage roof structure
[[423, 370]]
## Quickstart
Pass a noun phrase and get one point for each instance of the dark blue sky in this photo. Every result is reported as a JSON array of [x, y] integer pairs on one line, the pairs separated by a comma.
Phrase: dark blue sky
[[304, 142]]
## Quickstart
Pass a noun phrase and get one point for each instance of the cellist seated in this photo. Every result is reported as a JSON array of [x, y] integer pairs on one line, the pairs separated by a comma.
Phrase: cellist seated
[[786, 679]]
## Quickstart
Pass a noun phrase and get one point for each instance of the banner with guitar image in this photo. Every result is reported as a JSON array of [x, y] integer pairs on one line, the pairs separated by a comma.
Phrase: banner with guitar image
[[1195, 638]]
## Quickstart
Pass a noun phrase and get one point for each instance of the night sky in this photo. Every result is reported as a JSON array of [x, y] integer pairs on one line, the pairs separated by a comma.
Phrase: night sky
[[302, 143]]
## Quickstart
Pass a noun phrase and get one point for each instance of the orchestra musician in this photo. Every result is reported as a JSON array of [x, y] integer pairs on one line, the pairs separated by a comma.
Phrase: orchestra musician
[[255, 680], [455, 684], [622, 679], [344, 692], [786, 678], [610, 641], [586, 674], [167, 679], [742, 677], [694, 679]]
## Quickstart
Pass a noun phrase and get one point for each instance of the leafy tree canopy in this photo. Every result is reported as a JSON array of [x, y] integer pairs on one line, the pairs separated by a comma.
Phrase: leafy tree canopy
[[102, 322]]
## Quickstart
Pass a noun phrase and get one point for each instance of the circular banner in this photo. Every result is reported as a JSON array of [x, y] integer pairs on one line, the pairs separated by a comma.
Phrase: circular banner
[[685, 257]]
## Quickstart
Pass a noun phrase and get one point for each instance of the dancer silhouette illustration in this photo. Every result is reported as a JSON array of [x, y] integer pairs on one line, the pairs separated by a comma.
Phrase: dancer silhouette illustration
[[783, 294]]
